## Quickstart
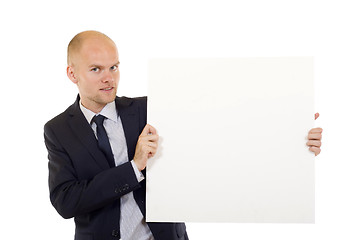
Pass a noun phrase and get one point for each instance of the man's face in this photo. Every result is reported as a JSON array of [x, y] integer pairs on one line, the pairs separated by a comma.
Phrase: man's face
[[95, 71]]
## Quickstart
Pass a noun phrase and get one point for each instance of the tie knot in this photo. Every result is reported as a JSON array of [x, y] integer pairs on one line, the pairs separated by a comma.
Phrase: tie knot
[[99, 119]]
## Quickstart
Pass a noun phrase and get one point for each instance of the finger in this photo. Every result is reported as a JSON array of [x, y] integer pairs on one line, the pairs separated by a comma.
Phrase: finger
[[150, 151], [152, 144], [153, 152], [147, 147], [315, 136], [316, 115], [316, 130], [152, 130], [314, 143], [149, 138], [315, 150], [148, 129]]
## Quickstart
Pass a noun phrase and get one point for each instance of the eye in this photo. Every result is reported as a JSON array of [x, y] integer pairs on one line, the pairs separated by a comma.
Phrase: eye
[[94, 69], [114, 68]]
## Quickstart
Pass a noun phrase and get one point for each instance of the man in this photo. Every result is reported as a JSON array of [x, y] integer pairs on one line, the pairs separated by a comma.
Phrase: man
[[99, 147], [107, 202]]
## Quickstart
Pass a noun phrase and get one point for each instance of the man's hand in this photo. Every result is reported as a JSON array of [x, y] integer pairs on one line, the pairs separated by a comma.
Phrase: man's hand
[[146, 146], [314, 138]]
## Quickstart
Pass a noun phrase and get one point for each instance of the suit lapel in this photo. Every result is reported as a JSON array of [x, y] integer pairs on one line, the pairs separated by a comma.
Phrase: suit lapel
[[85, 134], [130, 121]]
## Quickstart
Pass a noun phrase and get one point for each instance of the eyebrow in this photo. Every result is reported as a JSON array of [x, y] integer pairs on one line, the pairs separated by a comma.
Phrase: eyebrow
[[100, 66]]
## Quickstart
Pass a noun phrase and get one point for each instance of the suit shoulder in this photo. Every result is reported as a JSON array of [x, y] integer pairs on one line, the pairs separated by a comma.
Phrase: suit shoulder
[[57, 120], [142, 101], [135, 101]]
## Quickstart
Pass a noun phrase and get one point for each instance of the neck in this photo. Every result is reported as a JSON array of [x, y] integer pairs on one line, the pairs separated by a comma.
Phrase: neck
[[96, 108]]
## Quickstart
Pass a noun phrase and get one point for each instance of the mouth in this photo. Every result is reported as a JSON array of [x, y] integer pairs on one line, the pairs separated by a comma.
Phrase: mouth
[[107, 89]]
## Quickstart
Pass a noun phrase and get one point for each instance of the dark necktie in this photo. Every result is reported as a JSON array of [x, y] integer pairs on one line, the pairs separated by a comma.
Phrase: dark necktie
[[103, 139]]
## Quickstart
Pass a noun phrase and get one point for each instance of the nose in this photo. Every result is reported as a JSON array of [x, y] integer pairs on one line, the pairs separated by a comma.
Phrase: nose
[[108, 76]]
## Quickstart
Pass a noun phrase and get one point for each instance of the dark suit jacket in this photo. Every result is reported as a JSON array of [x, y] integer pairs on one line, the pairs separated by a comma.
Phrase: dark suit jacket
[[82, 184]]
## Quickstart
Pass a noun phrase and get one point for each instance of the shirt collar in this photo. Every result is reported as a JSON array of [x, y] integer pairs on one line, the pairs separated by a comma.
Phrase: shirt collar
[[109, 111]]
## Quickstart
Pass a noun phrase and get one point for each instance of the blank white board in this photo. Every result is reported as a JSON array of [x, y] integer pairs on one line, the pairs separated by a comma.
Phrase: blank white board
[[233, 140]]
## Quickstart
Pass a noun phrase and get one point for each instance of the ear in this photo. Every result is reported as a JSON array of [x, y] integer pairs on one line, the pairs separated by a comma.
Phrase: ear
[[71, 74]]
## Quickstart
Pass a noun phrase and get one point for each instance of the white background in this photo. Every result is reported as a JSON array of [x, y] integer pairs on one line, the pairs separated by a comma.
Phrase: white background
[[34, 37]]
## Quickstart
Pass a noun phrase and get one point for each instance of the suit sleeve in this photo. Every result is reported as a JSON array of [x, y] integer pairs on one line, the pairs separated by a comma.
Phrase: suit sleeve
[[72, 196]]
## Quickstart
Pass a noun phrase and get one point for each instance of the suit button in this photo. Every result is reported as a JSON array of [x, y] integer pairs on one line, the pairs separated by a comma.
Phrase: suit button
[[125, 187], [115, 233]]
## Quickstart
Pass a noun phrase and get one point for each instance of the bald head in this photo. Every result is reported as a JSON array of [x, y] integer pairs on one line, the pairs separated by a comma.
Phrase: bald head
[[76, 44], [93, 65]]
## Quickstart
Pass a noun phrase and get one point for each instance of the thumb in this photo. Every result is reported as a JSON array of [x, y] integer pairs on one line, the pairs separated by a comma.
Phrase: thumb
[[316, 115]]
